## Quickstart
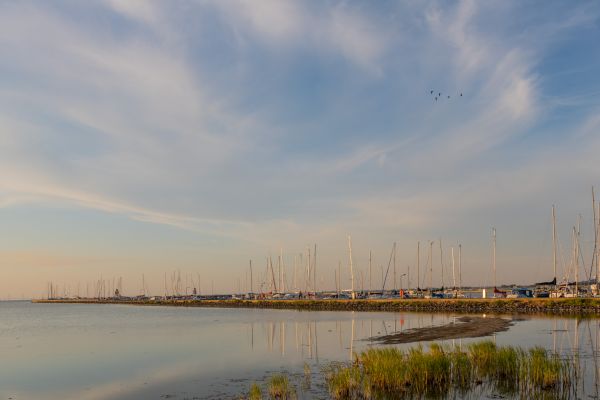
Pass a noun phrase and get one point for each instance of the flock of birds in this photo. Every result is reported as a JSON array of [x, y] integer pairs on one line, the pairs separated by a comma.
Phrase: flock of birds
[[439, 95]]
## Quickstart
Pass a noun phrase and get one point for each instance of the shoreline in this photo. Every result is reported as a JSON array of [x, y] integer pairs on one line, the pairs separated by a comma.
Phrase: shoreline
[[589, 307]]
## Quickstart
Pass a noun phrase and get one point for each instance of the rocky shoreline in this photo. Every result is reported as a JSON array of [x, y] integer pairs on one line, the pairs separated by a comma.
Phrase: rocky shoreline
[[579, 306]]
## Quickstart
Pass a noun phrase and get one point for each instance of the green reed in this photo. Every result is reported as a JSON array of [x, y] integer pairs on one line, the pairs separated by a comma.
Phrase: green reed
[[414, 373], [255, 392], [279, 387]]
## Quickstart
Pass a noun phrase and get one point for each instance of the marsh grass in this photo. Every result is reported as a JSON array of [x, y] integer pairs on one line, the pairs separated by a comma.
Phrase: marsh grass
[[415, 373], [255, 392], [279, 387]]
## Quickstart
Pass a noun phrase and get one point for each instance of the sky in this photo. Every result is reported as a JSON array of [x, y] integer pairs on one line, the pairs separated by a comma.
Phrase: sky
[[138, 138]]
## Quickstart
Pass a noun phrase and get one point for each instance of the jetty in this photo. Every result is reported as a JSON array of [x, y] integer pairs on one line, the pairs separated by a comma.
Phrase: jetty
[[558, 306]]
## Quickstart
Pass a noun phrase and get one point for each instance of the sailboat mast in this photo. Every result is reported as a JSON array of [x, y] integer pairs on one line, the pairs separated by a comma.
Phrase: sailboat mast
[[351, 267], [576, 258], [279, 268], [554, 244], [431, 265], [315, 271], [337, 290], [598, 244], [460, 266], [339, 278], [418, 266], [595, 252], [395, 281], [308, 277], [251, 283], [282, 273], [370, 273], [453, 272], [274, 288], [494, 255], [442, 261]]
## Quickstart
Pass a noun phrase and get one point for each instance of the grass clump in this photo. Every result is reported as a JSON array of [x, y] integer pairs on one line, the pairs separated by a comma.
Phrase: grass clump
[[255, 393], [279, 388], [545, 372], [394, 373], [344, 382]]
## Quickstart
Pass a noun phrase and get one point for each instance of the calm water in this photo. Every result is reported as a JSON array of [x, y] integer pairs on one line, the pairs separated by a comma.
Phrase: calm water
[[61, 351]]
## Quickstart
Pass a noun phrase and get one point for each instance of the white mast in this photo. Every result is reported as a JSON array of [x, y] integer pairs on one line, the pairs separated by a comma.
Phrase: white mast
[[453, 272], [315, 271], [339, 278], [576, 258], [460, 266], [578, 249], [442, 261], [431, 266], [494, 255], [554, 244], [574, 255], [274, 288], [308, 277], [351, 267], [279, 269], [282, 272], [594, 253], [418, 267], [370, 274], [336, 282], [598, 243], [395, 281]]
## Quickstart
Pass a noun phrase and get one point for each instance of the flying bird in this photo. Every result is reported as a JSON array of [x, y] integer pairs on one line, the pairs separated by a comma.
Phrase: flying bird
[[461, 95], [431, 92], [436, 99], [448, 96]]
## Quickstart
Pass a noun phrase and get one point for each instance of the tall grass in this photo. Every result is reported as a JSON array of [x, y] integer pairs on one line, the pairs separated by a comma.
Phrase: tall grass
[[394, 373], [279, 388], [255, 393]]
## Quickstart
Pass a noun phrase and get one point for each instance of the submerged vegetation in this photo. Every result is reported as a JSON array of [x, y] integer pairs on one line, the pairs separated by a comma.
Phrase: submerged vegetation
[[471, 371]]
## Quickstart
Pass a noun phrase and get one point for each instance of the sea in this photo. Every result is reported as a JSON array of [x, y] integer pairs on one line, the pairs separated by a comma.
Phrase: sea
[[103, 351]]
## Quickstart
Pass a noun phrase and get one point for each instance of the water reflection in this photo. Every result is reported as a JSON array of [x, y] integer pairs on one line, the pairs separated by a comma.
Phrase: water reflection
[[52, 351]]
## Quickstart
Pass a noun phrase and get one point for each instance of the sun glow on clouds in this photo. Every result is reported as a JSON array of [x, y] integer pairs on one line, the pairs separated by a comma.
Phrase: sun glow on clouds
[[192, 115]]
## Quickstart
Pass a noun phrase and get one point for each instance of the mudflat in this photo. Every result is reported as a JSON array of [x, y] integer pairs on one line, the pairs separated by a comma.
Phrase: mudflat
[[464, 327]]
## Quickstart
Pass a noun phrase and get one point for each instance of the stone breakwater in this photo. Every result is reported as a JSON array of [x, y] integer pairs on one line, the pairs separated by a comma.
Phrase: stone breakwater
[[581, 306]]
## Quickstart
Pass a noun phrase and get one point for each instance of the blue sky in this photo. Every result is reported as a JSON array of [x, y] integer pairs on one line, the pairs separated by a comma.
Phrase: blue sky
[[147, 136]]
